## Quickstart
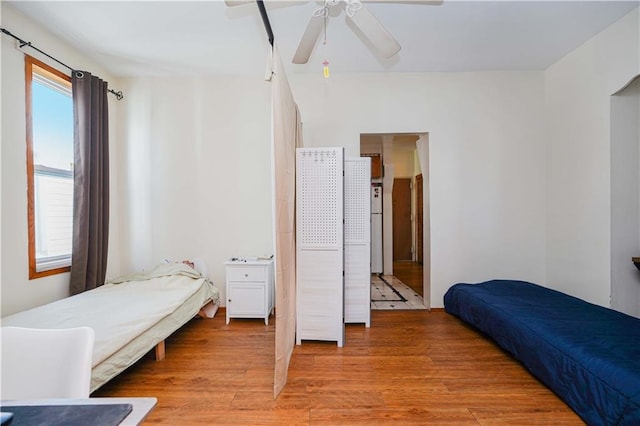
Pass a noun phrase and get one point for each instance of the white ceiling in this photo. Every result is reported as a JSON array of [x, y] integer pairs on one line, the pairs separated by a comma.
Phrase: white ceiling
[[206, 37]]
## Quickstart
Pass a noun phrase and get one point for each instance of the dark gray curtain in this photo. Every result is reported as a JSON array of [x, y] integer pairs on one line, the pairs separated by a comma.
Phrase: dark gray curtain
[[91, 182]]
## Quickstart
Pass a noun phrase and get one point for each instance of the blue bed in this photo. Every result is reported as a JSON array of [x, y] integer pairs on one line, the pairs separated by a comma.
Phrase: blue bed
[[588, 355]]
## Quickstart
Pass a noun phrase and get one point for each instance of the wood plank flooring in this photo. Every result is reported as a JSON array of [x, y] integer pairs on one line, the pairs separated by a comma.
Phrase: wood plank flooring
[[410, 367], [409, 273]]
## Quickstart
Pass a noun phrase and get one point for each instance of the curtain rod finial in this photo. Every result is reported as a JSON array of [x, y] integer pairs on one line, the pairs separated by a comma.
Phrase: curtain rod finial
[[119, 96]]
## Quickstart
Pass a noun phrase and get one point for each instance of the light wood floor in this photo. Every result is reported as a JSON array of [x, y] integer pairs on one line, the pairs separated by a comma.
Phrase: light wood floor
[[409, 273], [410, 367]]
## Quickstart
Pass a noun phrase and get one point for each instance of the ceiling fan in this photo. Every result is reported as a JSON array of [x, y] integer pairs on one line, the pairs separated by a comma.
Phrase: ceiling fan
[[360, 16], [357, 13]]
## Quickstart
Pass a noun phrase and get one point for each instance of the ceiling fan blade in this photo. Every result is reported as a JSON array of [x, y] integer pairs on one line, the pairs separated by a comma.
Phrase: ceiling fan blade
[[309, 39], [419, 2], [231, 3], [375, 32]]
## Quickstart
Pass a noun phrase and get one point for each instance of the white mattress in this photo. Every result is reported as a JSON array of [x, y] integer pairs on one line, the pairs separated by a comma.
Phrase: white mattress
[[120, 313], [139, 346]]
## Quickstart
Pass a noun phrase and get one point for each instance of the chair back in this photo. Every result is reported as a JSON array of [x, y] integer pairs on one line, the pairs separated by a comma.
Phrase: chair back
[[45, 363]]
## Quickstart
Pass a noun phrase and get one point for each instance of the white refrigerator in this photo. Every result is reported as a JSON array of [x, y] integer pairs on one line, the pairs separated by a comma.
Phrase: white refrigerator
[[376, 228]]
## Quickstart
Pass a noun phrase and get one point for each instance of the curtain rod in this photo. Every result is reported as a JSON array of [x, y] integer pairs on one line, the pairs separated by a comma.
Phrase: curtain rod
[[265, 21], [24, 43]]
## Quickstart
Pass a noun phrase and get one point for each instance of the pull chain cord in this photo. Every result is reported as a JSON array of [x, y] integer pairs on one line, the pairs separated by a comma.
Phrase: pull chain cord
[[324, 22], [324, 12]]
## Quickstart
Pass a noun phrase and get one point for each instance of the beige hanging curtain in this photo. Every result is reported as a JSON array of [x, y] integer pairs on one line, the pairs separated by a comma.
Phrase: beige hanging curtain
[[287, 136]]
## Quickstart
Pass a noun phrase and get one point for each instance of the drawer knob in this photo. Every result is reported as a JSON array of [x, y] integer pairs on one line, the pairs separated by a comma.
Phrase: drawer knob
[[246, 275]]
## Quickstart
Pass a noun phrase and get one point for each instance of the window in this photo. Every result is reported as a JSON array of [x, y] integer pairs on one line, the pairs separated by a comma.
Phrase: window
[[49, 109]]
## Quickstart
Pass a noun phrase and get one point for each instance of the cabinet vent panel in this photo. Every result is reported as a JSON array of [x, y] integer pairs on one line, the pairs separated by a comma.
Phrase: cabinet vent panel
[[320, 203], [357, 202]]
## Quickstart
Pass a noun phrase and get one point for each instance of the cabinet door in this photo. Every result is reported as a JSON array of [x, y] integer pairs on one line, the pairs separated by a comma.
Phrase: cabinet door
[[376, 165], [357, 240], [246, 299]]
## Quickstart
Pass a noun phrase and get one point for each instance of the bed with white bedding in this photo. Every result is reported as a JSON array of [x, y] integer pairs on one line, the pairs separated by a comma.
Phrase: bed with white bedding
[[130, 315]]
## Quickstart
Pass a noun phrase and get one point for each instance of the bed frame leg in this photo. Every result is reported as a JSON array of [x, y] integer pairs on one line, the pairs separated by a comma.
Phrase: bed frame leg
[[160, 351], [209, 310]]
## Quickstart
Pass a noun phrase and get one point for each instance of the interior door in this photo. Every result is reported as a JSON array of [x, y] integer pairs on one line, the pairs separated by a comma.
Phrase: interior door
[[401, 201]]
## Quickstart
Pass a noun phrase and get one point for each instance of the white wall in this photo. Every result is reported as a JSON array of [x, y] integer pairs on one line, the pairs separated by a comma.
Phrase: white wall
[[404, 158], [18, 292], [195, 171], [577, 106], [1, 180], [195, 164], [486, 171]]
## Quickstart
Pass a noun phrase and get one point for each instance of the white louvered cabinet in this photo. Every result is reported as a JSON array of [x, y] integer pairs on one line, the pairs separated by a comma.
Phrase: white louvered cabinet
[[320, 244], [357, 240]]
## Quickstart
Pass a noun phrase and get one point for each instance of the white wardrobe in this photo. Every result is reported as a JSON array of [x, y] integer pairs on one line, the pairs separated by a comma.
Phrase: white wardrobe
[[357, 240], [319, 244], [332, 243]]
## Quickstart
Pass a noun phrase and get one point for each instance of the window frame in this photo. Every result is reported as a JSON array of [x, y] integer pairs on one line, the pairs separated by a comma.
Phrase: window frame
[[60, 77]]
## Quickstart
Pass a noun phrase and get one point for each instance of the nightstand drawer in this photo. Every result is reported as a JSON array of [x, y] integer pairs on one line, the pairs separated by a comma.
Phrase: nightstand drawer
[[246, 273]]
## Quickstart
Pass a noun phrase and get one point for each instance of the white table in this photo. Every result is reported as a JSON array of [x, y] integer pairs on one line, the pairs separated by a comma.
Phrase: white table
[[141, 406]]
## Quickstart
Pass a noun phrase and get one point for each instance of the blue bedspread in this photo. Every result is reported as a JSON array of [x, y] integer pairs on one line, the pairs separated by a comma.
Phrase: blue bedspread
[[588, 355]]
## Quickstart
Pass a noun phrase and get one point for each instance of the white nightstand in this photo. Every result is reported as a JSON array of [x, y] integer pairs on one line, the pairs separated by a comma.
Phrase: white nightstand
[[250, 289]]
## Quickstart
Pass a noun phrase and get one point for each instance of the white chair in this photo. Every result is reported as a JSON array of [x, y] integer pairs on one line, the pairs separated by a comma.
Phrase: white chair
[[46, 363]]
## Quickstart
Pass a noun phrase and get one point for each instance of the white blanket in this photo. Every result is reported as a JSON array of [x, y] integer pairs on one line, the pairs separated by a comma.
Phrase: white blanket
[[117, 312], [160, 270]]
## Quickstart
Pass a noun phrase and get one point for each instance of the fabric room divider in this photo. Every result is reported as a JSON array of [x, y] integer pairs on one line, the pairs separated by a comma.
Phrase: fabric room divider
[[286, 136]]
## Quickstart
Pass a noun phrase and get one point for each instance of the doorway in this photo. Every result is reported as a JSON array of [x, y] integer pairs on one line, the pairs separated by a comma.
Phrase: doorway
[[405, 235], [625, 197]]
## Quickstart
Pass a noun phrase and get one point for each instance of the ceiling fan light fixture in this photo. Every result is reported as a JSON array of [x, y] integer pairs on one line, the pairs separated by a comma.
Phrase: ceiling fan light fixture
[[321, 12], [360, 16], [352, 7]]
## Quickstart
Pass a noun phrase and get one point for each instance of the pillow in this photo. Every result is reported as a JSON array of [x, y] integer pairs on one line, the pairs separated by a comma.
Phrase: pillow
[[198, 264], [201, 267]]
